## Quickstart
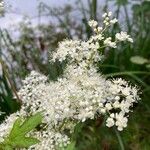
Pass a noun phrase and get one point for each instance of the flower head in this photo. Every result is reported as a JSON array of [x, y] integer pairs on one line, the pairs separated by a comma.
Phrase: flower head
[[80, 94]]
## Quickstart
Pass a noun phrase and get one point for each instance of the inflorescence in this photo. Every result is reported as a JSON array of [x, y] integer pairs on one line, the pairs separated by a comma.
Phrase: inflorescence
[[80, 94]]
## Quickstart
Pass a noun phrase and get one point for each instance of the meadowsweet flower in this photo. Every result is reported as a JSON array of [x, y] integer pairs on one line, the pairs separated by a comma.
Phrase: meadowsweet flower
[[123, 36], [80, 94], [104, 15], [121, 121], [109, 43], [110, 122], [113, 21], [93, 23], [109, 13]]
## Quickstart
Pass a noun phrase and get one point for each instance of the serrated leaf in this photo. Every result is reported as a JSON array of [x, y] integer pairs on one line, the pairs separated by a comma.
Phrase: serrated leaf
[[15, 128], [25, 142], [138, 60], [17, 137], [31, 123]]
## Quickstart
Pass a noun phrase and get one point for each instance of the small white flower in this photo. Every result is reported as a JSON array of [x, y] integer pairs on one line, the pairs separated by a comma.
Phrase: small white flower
[[104, 15], [109, 43], [123, 36], [116, 104], [130, 40], [112, 115], [110, 122], [103, 110], [113, 21], [121, 121], [93, 23], [109, 13], [117, 98], [108, 106], [99, 29]]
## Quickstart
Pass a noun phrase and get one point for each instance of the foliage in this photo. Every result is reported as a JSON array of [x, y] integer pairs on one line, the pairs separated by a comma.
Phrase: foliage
[[8, 103], [17, 137]]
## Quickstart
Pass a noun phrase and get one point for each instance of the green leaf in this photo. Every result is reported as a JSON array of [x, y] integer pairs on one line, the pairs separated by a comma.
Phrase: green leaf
[[25, 142], [17, 137], [16, 126], [138, 60], [31, 123], [7, 147]]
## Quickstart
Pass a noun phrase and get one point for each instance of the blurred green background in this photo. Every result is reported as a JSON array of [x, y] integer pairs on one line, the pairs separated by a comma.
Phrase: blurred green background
[[32, 47]]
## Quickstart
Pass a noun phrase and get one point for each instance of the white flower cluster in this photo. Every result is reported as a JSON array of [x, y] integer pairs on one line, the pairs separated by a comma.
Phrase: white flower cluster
[[80, 94], [99, 32], [36, 95], [48, 139], [123, 36], [77, 50]]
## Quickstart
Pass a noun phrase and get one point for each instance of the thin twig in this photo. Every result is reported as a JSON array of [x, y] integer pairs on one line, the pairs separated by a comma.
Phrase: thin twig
[[126, 73], [119, 139]]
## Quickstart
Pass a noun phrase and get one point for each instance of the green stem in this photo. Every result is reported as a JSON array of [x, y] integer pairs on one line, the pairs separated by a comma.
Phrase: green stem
[[127, 18], [94, 9], [108, 66], [9, 80], [126, 73], [119, 139]]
